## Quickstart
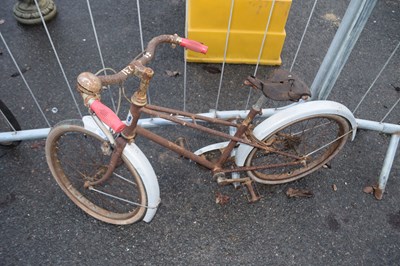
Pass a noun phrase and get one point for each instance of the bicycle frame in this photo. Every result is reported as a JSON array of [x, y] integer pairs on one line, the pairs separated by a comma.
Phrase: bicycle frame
[[217, 167]]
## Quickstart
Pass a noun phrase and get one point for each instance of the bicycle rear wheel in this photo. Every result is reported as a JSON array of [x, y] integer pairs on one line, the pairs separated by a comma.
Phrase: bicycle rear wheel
[[316, 138], [8, 122], [76, 155]]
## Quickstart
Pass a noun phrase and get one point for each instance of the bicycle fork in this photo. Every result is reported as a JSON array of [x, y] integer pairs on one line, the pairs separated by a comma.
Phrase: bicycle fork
[[115, 161]]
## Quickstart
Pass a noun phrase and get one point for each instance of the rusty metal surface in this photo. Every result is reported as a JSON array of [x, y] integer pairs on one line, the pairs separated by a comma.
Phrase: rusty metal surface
[[194, 117], [260, 167], [216, 165], [248, 184], [174, 147], [115, 161], [136, 66], [244, 128]]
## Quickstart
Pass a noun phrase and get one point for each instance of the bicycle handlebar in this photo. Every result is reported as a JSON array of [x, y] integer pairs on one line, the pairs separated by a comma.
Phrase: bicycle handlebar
[[194, 46], [148, 55], [90, 85], [107, 116]]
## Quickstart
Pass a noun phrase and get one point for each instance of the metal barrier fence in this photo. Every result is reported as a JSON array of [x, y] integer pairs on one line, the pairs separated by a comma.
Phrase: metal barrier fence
[[340, 48]]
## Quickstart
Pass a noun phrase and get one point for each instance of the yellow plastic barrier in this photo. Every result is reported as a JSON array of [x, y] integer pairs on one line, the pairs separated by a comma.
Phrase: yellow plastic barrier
[[208, 22]]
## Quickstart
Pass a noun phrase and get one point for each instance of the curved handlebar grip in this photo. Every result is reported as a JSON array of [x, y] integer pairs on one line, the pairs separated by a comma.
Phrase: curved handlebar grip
[[194, 46], [107, 116]]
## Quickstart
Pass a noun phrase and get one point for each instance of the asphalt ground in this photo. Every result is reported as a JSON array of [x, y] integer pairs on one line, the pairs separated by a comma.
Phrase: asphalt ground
[[41, 226]]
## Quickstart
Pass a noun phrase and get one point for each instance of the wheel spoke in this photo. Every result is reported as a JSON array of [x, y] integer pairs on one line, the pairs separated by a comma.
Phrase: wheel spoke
[[76, 155], [125, 179], [327, 144], [116, 197], [316, 139], [84, 166]]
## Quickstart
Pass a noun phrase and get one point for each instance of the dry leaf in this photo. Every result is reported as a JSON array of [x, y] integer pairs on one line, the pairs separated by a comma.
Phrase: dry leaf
[[297, 193], [369, 189], [221, 199], [172, 73], [37, 145], [327, 166], [396, 88], [23, 70], [212, 70], [332, 18], [334, 187]]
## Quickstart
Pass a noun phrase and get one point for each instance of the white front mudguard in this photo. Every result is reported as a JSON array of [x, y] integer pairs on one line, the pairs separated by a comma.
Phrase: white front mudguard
[[142, 166], [301, 110]]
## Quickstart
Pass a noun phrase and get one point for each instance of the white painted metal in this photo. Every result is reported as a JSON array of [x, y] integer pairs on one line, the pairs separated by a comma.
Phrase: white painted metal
[[291, 114], [30, 134], [140, 163], [351, 26], [215, 146], [389, 158], [149, 178], [377, 126], [235, 175]]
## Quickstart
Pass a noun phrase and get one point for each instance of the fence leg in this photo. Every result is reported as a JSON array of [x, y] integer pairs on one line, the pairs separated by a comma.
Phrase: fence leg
[[387, 165]]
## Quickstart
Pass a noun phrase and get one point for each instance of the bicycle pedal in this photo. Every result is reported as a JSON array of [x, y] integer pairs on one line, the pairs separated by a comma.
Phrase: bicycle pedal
[[220, 178], [252, 193]]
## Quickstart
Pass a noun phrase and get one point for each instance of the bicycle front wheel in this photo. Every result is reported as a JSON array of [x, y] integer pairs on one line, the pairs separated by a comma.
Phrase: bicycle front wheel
[[76, 155], [316, 139], [8, 122]]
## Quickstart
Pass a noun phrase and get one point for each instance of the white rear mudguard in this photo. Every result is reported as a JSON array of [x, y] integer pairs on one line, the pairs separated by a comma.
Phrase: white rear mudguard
[[294, 113], [142, 166]]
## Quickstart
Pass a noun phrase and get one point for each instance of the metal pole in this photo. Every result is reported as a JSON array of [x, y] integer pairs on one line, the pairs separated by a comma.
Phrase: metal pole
[[353, 23], [386, 128], [30, 134], [387, 165]]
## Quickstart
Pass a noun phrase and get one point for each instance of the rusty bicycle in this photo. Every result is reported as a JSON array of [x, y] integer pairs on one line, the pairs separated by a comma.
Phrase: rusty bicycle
[[98, 165]]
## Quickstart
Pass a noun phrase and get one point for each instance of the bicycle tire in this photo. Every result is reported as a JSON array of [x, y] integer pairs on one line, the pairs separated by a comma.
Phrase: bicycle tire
[[8, 123], [75, 155], [320, 137]]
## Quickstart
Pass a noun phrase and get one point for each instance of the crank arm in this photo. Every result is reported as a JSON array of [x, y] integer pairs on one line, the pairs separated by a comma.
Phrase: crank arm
[[247, 181]]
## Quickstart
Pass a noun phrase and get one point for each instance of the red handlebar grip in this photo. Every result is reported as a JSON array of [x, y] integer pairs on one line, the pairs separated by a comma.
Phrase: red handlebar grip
[[194, 46], [107, 116]]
